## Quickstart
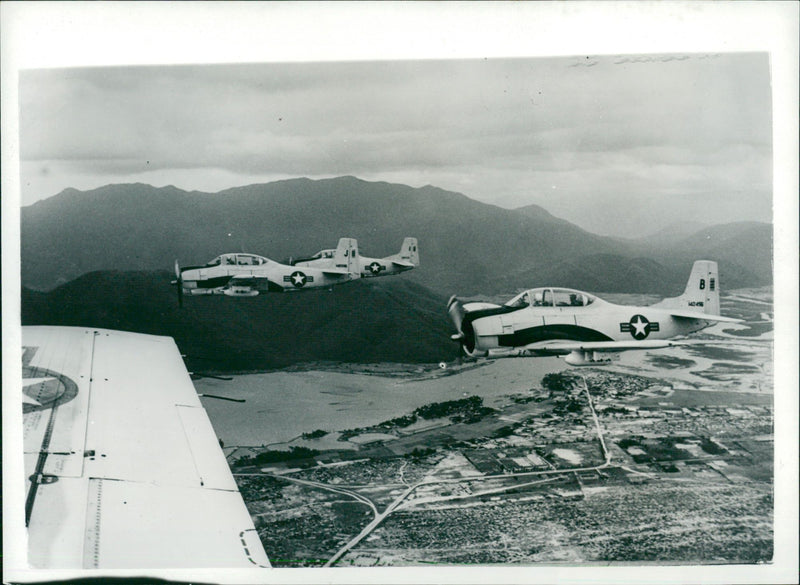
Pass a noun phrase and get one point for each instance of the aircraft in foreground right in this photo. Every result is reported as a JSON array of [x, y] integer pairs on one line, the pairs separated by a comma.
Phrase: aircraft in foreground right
[[586, 329]]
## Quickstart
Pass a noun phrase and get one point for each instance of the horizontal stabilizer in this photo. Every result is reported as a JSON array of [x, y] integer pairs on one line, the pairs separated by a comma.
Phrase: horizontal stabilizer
[[704, 317], [403, 263]]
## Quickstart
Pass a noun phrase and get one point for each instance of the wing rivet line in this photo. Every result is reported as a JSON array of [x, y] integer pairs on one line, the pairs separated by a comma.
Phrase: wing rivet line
[[96, 531]]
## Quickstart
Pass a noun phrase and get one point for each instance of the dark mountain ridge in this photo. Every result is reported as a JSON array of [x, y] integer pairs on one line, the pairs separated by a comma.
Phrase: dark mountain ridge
[[137, 227], [466, 247]]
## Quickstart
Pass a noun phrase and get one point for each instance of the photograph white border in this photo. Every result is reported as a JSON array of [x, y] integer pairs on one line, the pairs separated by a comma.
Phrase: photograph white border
[[53, 34]]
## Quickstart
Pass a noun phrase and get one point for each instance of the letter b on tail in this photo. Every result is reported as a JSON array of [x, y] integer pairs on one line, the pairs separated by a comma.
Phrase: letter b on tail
[[702, 289]]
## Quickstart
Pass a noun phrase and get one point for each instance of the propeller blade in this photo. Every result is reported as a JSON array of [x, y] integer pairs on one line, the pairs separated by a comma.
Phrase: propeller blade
[[179, 282]]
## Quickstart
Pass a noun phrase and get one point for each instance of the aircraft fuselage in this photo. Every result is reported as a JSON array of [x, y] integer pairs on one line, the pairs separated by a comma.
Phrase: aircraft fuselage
[[506, 327], [369, 267], [247, 274]]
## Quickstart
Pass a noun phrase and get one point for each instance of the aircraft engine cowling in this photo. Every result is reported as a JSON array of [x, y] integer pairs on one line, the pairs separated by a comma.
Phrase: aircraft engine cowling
[[466, 332]]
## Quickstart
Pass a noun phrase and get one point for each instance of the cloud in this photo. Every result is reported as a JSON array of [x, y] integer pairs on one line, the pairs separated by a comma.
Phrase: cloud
[[507, 131]]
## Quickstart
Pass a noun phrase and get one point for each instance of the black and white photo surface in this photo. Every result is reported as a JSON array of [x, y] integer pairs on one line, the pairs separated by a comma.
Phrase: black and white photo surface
[[287, 426]]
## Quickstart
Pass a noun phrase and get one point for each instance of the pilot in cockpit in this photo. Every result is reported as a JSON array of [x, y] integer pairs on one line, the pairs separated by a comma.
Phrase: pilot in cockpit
[[521, 302]]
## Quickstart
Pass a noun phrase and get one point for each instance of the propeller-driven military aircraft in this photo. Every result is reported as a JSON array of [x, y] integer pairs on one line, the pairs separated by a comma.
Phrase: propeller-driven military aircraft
[[247, 275], [406, 259], [588, 330]]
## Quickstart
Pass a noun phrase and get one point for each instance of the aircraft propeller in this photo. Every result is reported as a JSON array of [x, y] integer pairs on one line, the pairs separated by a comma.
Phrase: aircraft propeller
[[179, 282]]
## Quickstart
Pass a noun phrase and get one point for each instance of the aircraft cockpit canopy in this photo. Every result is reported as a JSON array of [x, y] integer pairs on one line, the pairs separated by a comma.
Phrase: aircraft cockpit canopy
[[551, 297], [323, 254], [238, 260]]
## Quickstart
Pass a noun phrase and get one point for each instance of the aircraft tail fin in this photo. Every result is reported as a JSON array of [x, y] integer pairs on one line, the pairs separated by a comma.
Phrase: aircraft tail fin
[[346, 256], [702, 290], [409, 252]]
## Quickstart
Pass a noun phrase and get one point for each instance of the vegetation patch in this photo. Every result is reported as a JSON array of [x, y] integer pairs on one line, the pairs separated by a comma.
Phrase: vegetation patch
[[465, 410], [269, 456], [720, 353], [669, 362], [559, 382], [319, 433], [753, 330]]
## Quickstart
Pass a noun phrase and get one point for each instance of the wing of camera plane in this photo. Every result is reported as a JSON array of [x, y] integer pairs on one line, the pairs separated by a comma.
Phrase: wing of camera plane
[[123, 467]]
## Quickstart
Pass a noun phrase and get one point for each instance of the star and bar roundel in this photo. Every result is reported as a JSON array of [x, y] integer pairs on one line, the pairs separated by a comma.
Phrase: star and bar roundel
[[639, 327], [298, 279], [43, 389], [376, 267]]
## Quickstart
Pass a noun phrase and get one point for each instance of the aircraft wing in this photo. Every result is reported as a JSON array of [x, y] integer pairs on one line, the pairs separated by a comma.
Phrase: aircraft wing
[[565, 347], [334, 272], [124, 468], [704, 317], [248, 280]]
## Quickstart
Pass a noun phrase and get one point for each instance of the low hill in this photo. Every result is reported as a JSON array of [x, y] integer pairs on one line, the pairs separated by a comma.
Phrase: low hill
[[745, 245], [380, 320]]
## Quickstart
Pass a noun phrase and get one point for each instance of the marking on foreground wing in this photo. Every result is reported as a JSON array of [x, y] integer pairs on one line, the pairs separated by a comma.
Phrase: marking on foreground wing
[[247, 550], [45, 389]]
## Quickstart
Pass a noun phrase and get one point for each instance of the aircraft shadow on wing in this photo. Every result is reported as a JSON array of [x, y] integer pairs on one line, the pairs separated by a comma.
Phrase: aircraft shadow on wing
[[406, 259], [587, 330], [248, 275]]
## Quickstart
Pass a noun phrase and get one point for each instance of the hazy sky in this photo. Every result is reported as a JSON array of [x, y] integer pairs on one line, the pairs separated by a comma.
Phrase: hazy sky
[[618, 145]]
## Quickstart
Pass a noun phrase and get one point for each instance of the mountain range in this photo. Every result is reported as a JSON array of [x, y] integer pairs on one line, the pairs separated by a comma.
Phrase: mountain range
[[100, 258], [466, 247]]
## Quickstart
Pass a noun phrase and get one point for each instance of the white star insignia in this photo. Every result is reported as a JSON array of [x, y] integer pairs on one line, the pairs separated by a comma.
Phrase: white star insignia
[[640, 326], [298, 278]]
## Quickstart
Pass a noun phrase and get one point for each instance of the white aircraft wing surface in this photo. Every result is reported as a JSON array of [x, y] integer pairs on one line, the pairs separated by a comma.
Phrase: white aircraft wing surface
[[569, 346], [124, 468]]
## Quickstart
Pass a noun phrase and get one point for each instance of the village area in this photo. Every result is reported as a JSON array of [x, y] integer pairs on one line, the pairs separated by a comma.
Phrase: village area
[[588, 466]]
